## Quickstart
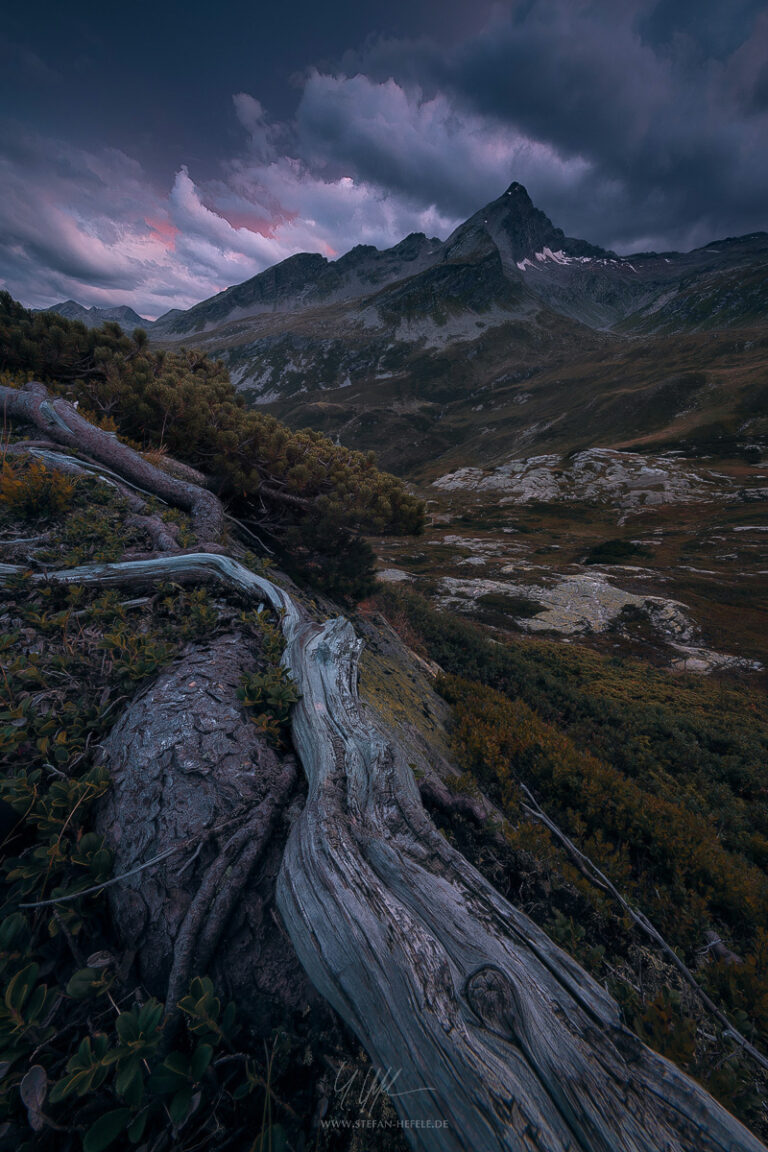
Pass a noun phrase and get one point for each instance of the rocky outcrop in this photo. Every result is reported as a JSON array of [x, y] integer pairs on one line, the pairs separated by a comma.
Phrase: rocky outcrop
[[581, 605], [599, 475]]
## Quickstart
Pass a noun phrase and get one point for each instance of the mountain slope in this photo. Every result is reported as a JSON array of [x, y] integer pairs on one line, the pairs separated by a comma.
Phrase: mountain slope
[[507, 339], [304, 281], [683, 837], [383, 911]]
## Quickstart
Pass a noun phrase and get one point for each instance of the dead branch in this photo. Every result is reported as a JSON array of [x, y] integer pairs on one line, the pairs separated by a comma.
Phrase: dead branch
[[59, 420]]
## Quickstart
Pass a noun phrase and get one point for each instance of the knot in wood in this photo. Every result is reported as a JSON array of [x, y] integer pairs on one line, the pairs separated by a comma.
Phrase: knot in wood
[[491, 997]]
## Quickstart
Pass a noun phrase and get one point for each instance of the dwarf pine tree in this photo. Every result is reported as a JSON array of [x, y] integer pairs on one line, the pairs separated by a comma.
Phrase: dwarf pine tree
[[309, 496]]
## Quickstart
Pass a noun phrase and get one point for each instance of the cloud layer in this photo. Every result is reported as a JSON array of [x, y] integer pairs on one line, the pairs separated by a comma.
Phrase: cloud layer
[[635, 125]]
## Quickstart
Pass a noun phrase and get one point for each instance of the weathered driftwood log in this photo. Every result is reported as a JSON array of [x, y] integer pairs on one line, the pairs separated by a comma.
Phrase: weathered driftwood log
[[60, 421], [495, 1038]]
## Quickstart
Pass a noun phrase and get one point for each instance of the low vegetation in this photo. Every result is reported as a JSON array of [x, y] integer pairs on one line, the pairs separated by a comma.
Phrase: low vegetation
[[661, 782], [87, 1058], [99, 1068], [616, 552]]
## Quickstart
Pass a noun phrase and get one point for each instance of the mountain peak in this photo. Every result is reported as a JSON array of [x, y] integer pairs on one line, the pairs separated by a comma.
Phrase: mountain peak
[[520, 192], [523, 230], [94, 316], [517, 229]]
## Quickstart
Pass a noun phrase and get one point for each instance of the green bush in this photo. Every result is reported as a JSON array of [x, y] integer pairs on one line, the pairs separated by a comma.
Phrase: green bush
[[308, 495], [615, 552]]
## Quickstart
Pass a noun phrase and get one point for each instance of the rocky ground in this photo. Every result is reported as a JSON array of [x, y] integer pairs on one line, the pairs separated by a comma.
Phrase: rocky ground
[[661, 554], [625, 480]]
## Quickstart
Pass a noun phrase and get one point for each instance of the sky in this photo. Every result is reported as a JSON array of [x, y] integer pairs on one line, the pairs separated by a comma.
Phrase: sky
[[152, 154]]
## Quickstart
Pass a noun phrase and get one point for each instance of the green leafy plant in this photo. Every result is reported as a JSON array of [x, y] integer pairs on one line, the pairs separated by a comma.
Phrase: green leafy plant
[[270, 695], [205, 1017], [151, 1085], [21, 1010]]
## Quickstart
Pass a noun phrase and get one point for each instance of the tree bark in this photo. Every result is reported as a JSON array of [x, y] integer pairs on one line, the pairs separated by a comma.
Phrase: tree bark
[[190, 771], [495, 1038]]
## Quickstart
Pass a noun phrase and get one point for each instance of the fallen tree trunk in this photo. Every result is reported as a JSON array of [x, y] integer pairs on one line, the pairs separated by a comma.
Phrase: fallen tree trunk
[[61, 422], [493, 1038]]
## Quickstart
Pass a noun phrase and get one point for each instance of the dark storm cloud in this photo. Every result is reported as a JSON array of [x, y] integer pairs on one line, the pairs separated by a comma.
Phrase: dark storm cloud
[[664, 101], [155, 77], [713, 29], [422, 149], [162, 155]]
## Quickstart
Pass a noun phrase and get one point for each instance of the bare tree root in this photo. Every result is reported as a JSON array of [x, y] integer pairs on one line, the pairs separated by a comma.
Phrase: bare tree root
[[499, 1040], [176, 467], [222, 885], [162, 536], [19, 446], [61, 422], [53, 457], [82, 465], [12, 541]]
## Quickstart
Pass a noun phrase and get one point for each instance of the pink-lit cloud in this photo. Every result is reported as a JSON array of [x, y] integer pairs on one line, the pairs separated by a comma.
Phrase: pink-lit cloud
[[364, 162], [164, 230]]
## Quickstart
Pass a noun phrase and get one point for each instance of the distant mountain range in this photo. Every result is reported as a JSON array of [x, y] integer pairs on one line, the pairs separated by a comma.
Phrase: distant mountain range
[[409, 350], [95, 317], [524, 261]]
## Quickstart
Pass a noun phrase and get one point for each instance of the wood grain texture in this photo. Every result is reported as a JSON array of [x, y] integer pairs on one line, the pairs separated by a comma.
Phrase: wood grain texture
[[497, 1039]]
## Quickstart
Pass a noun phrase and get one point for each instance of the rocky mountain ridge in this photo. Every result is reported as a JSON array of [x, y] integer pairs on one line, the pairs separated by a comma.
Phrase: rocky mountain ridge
[[506, 264], [509, 236], [509, 339]]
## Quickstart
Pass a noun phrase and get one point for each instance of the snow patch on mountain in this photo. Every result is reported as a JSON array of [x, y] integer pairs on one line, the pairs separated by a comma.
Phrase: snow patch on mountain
[[560, 256]]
